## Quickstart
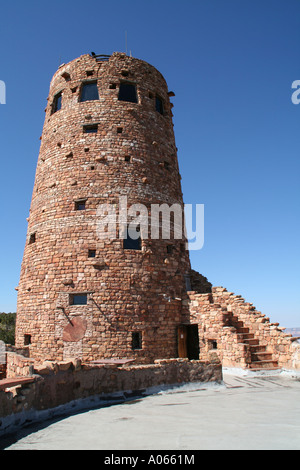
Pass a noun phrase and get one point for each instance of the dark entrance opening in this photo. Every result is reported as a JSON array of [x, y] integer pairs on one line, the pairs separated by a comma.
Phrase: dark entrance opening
[[193, 349], [188, 342]]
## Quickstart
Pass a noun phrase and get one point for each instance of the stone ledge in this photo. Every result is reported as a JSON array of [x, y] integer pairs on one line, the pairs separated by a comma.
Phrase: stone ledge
[[8, 383]]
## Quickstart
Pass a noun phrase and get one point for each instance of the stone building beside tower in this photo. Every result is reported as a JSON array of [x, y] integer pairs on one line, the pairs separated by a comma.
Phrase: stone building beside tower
[[108, 134]]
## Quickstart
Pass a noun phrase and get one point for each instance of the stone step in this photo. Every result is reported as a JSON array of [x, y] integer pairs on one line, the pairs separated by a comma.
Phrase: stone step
[[263, 365], [245, 335], [262, 356], [249, 342], [257, 369], [243, 330], [259, 348]]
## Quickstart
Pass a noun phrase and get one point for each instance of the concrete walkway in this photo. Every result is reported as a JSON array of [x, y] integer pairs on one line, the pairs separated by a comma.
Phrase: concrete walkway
[[247, 412]]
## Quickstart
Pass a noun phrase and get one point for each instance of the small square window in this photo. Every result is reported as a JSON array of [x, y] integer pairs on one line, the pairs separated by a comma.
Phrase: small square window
[[32, 238], [91, 129], [119, 130], [27, 340], [56, 106], [159, 105], [80, 205], [127, 92], [212, 344], [92, 253], [127, 158], [170, 249], [130, 243], [136, 341], [89, 91], [66, 76], [78, 299]]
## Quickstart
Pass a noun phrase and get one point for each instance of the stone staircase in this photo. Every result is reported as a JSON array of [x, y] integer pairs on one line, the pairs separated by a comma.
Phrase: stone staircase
[[260, 357]]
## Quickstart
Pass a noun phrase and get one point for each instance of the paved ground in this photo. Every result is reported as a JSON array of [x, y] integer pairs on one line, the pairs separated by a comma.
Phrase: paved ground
[[247, 412]]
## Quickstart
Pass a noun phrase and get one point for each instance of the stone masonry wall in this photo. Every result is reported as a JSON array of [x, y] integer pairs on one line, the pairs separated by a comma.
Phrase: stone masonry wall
[[211, 312], [131, 153], [63, 383]]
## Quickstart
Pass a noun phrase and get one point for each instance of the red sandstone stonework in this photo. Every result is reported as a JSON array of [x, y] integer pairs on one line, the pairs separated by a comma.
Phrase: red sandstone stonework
[[132, 154], [137, 304]]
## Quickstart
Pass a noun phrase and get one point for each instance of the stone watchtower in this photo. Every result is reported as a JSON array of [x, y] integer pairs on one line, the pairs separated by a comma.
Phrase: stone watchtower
[[108, 134]]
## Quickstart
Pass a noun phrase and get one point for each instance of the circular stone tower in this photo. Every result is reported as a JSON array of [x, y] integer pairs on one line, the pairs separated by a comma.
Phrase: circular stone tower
[[85, 291]]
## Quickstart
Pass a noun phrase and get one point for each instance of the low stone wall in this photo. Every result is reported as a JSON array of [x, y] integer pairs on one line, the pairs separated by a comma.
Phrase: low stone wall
[[59, 386], [18, 365]]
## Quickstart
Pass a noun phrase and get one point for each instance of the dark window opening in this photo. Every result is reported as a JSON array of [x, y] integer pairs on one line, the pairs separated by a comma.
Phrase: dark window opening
[[89, 92], [66, 76], [127, 92], [170, 249], [27, 340], [136, 340], [92, 167], [119, 130], [80, 205], [125, 73], [187, 282], [212, 344], [78, 299], [130, 243], [92, 253], [127, 158], [56, 106], [32, 238], [91, 129], [159, 105], [151, 95], [89, 73], [112, 86]]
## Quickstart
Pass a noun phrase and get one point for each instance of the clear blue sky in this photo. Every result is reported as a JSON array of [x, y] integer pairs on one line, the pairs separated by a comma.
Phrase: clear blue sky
[[231, 65]]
